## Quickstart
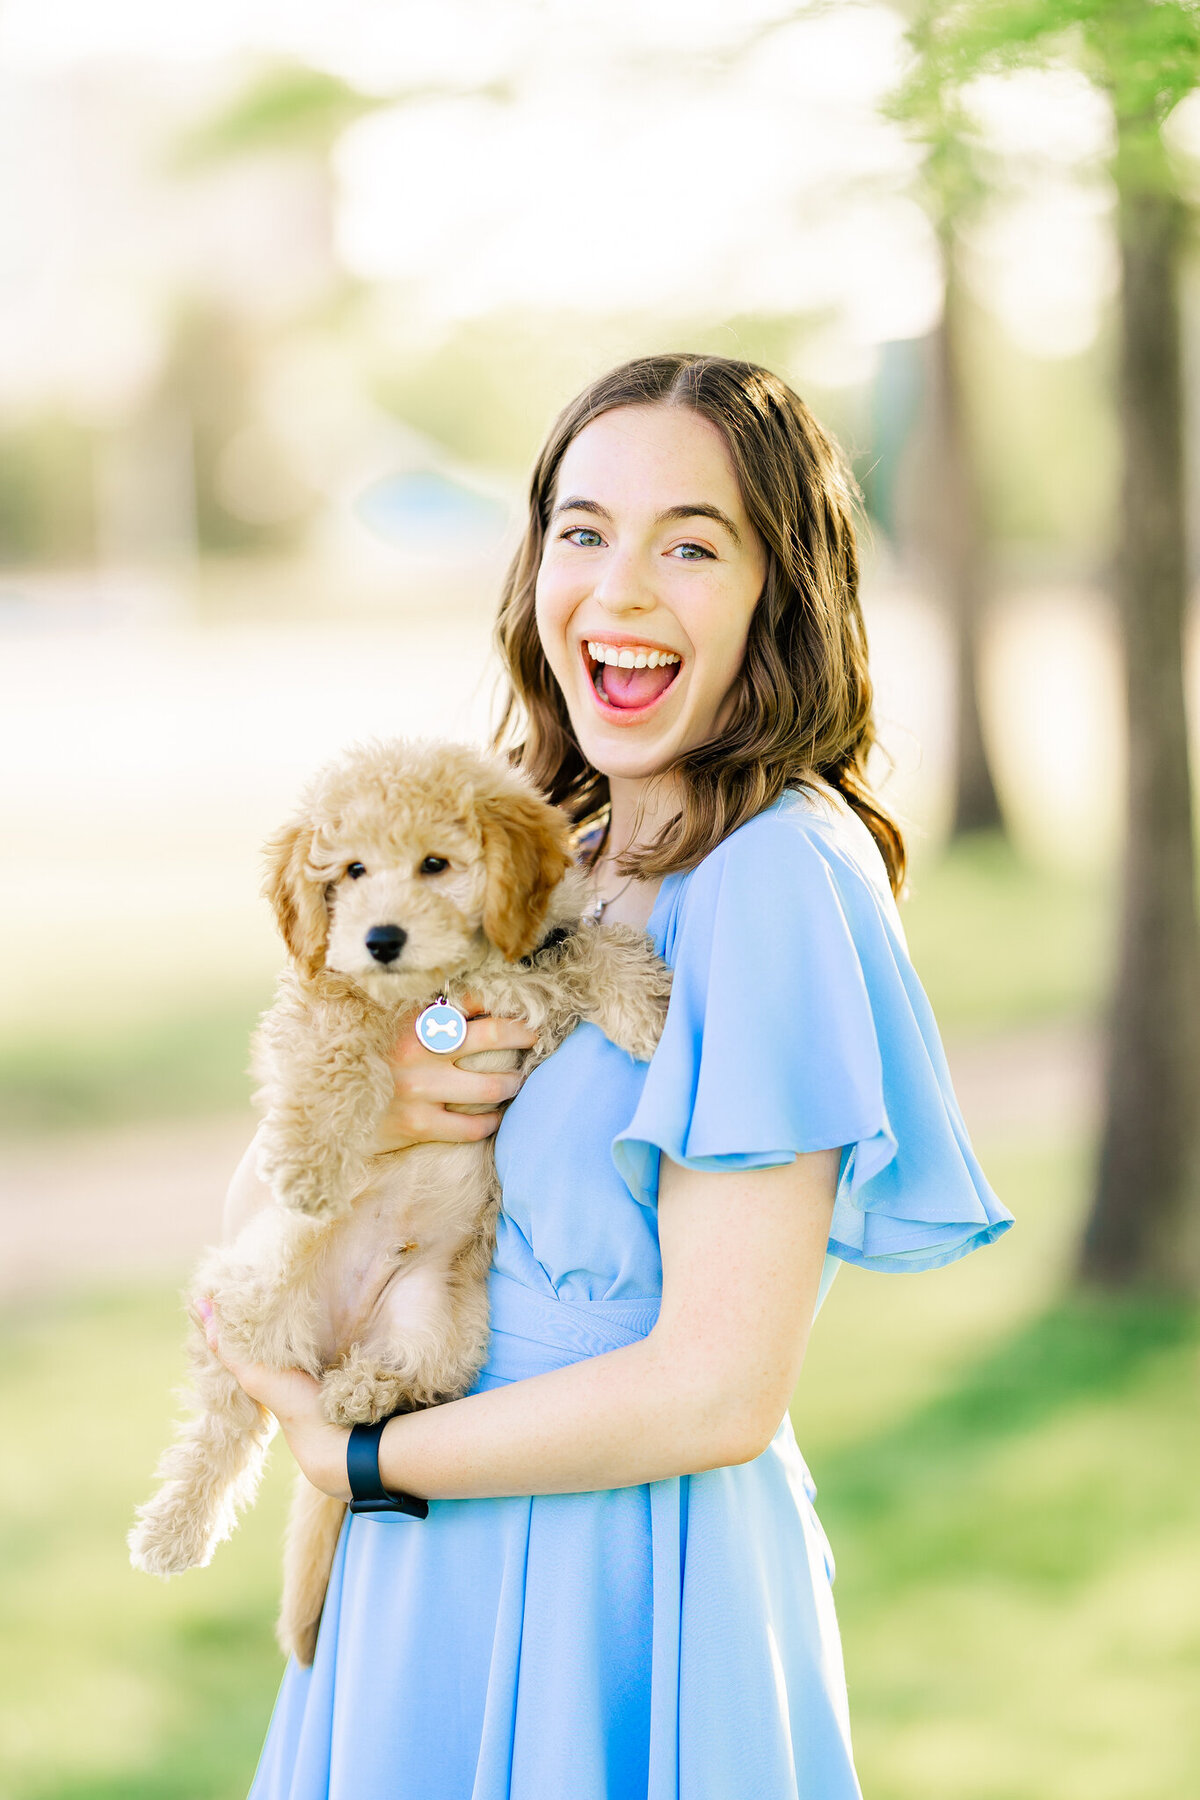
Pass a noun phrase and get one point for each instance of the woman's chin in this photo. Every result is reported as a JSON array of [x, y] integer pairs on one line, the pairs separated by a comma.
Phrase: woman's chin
[[621, 745], [623, 755]]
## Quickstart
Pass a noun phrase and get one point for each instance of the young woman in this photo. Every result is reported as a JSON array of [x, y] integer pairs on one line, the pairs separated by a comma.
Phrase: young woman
[[622, 1589]]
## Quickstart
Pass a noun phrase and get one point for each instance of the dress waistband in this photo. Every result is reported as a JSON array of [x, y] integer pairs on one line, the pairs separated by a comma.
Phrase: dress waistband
[[533, 1332]]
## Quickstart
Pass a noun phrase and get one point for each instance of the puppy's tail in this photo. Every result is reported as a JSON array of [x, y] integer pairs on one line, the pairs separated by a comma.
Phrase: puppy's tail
[[314, 1525]]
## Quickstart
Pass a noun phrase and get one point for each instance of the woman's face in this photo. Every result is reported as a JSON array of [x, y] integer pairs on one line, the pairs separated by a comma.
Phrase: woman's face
[[649, 577]]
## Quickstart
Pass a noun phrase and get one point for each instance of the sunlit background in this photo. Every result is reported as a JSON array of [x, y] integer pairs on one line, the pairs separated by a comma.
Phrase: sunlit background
[[289, 294]]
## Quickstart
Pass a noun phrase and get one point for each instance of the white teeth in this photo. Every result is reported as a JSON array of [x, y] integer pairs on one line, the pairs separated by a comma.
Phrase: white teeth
[[630, 657]]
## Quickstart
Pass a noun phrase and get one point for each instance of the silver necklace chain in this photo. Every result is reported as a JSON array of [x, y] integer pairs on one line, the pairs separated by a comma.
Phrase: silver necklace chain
[[596, 912]]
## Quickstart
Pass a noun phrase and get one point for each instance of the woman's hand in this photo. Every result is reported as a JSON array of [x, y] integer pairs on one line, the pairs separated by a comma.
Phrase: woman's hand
[[295, 1399], [427, 1083]]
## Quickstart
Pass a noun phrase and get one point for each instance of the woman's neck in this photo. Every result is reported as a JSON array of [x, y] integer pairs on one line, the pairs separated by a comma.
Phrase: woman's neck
[[638, 811]]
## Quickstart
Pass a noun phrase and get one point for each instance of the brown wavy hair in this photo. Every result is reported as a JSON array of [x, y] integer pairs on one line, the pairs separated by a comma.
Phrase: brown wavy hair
[[802, 699]]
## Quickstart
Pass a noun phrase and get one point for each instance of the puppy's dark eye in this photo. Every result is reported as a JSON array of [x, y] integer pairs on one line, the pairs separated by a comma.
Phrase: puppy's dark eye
[[433, 865], [354, 870]]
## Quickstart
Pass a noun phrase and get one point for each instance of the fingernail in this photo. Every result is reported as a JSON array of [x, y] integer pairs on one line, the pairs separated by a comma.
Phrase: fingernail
[[205, 1308]]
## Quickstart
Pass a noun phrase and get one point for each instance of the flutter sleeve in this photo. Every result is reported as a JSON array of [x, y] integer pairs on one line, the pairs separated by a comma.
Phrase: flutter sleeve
[[797, 1023]]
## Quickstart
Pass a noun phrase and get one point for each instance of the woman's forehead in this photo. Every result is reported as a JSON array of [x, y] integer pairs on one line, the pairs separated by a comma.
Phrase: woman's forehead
[[649, 456]]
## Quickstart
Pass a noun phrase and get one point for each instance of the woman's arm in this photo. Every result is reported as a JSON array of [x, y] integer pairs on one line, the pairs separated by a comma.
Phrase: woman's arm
[[742, 1256]]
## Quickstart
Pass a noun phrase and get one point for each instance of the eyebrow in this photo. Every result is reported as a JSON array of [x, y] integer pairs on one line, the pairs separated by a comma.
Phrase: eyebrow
[[698, 509]]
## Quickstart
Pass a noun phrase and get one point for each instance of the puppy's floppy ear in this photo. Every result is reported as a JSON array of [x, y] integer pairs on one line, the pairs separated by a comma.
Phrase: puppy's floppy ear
[[298, 899], [526, 855]]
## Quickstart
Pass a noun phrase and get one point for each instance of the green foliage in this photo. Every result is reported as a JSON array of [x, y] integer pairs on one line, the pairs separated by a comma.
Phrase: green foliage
[[1144, 54], [951, 185], [210, 378], [47, 488], [489, 387], [1045, 441], [289, 107]]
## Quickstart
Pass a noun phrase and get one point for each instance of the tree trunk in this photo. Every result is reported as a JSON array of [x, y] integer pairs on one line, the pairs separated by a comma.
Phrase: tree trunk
[[1145, 1222], [960, 552]]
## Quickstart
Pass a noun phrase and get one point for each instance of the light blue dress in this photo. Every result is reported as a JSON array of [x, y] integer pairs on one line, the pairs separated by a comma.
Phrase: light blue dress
[[675, 1641]]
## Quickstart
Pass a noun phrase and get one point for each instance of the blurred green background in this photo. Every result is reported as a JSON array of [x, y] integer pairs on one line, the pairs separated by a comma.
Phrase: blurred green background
[[288, 298]]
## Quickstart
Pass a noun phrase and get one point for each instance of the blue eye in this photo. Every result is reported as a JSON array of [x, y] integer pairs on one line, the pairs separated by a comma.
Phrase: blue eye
[[578, 532], [693, 553]]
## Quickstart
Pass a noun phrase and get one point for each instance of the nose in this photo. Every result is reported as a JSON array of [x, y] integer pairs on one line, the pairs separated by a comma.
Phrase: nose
[[385, 942], [623, 587]]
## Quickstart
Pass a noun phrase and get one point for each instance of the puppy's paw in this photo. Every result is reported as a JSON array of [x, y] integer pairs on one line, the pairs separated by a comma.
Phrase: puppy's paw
[[363, 1390], [641, 1039], [639, 1020], [359, 1392]]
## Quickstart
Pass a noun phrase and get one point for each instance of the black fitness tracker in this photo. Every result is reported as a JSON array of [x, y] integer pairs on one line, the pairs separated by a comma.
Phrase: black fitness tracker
[[366, 1484]]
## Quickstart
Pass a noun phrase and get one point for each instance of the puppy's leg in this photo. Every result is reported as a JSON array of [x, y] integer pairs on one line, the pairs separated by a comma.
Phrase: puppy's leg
[[326, 1084], [314, 1524], [208, 1474], [486, 1062], [370, 1384], [626, 989]]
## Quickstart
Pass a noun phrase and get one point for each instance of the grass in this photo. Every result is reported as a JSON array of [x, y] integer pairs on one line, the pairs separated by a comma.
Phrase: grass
[[1020, 1566], [1002, 943], [184, 1064], [117, 1687], [1011, 1483]]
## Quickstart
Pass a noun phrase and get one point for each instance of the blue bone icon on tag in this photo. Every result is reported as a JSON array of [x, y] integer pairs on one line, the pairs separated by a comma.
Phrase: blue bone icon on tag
[[441, 1027]]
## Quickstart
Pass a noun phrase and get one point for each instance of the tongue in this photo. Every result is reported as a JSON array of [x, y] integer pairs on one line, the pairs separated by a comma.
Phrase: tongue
[[635, 687]]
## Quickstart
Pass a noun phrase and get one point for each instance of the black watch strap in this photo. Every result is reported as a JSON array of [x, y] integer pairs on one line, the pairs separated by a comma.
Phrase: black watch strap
[[366, 1483]]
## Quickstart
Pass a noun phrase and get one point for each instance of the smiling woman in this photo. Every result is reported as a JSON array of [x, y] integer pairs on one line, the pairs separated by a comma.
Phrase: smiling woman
[[652, 575], [692, 506], [622, 1590]]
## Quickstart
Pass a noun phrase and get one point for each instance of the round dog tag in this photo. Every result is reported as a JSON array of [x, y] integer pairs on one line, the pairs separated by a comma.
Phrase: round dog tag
[[441, 1027]]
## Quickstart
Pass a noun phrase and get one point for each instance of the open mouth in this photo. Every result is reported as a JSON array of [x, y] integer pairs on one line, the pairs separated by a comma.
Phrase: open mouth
[[628, 677]]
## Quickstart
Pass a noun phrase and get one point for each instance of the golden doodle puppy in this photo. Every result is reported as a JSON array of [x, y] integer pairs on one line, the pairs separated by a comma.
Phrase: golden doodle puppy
[[412, 871]]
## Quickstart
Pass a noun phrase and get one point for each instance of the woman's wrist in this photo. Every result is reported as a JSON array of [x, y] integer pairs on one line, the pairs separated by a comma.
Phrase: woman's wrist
[[390, 1452], [321, 1455]]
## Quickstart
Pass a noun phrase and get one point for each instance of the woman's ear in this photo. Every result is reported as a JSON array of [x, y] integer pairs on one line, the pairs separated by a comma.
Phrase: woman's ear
[[525, 855], [298, 898]]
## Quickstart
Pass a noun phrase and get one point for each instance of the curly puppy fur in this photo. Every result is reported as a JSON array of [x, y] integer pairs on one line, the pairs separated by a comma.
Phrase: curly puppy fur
[[370, 1271]]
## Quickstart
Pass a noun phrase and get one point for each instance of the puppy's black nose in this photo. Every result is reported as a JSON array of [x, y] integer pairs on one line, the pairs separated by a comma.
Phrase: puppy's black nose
[[385, 942]]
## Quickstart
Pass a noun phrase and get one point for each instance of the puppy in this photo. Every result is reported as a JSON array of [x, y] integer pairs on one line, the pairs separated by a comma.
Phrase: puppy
[[411, 871]]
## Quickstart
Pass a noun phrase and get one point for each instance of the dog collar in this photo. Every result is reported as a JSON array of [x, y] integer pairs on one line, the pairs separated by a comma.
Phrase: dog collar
[[550, 942]]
